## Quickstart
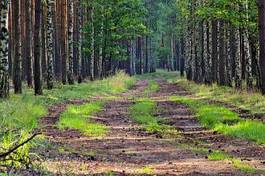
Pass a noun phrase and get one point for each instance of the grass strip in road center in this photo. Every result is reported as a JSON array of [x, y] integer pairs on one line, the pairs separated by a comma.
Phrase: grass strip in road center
[[151, 88], [78, 117], [142, 112]]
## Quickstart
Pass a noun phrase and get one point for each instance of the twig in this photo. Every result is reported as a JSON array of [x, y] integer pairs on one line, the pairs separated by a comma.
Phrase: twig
[[3, 155]]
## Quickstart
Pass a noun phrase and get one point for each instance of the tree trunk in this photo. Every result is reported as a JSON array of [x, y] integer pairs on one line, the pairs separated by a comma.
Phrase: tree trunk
[[28, 43], [207, 54], [182, 57], [238, 69], [44, 41], [58, 41], [63, 35], [4, 77], [262, 42], [50, 44], [223, 56], [17, 57], [172, 47], [37, 56], [249, 75], [229, 60], [214, 50], [147, 64], [70, 12], [92, 46], [22, 36], [75, 37], [10, 40], [80, 41], [101, 44]]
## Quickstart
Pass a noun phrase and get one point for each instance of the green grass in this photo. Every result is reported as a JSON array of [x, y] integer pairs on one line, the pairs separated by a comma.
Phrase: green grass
[[146, 170], [237, 163], [224, 121], [20, 113], [152, 87], [245, 167], [247, 129], [77, 117], [252, 101], [210, 115], [106, 87], [217, 155], [169, 76], [143, 111], [23, 111]]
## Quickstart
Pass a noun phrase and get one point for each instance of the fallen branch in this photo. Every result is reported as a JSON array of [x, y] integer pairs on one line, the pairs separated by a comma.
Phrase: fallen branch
[[12, 150]]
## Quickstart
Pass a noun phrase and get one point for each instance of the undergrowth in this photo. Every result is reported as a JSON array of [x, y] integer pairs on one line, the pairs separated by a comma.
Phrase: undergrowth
[[23, 111]]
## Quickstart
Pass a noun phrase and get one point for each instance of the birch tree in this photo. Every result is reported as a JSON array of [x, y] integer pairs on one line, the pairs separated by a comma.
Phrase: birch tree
[[4, 76]]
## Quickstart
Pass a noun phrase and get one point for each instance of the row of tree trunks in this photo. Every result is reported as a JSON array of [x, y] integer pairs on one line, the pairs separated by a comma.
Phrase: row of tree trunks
[[48, 43], [217, 51], [43, 34]]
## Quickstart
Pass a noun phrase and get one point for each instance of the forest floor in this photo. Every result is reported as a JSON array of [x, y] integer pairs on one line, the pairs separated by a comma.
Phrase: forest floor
[[143, 131]]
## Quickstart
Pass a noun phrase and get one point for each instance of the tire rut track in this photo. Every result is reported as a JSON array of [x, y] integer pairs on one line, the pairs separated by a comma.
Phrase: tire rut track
[[181, 117], [127, 148]]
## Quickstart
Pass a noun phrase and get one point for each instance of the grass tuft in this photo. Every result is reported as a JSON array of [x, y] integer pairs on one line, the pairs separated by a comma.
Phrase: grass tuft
[[143, 111], [247, 129], [237, 163], [152, 87], [146, 170], [217, 155], [77, 117]]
